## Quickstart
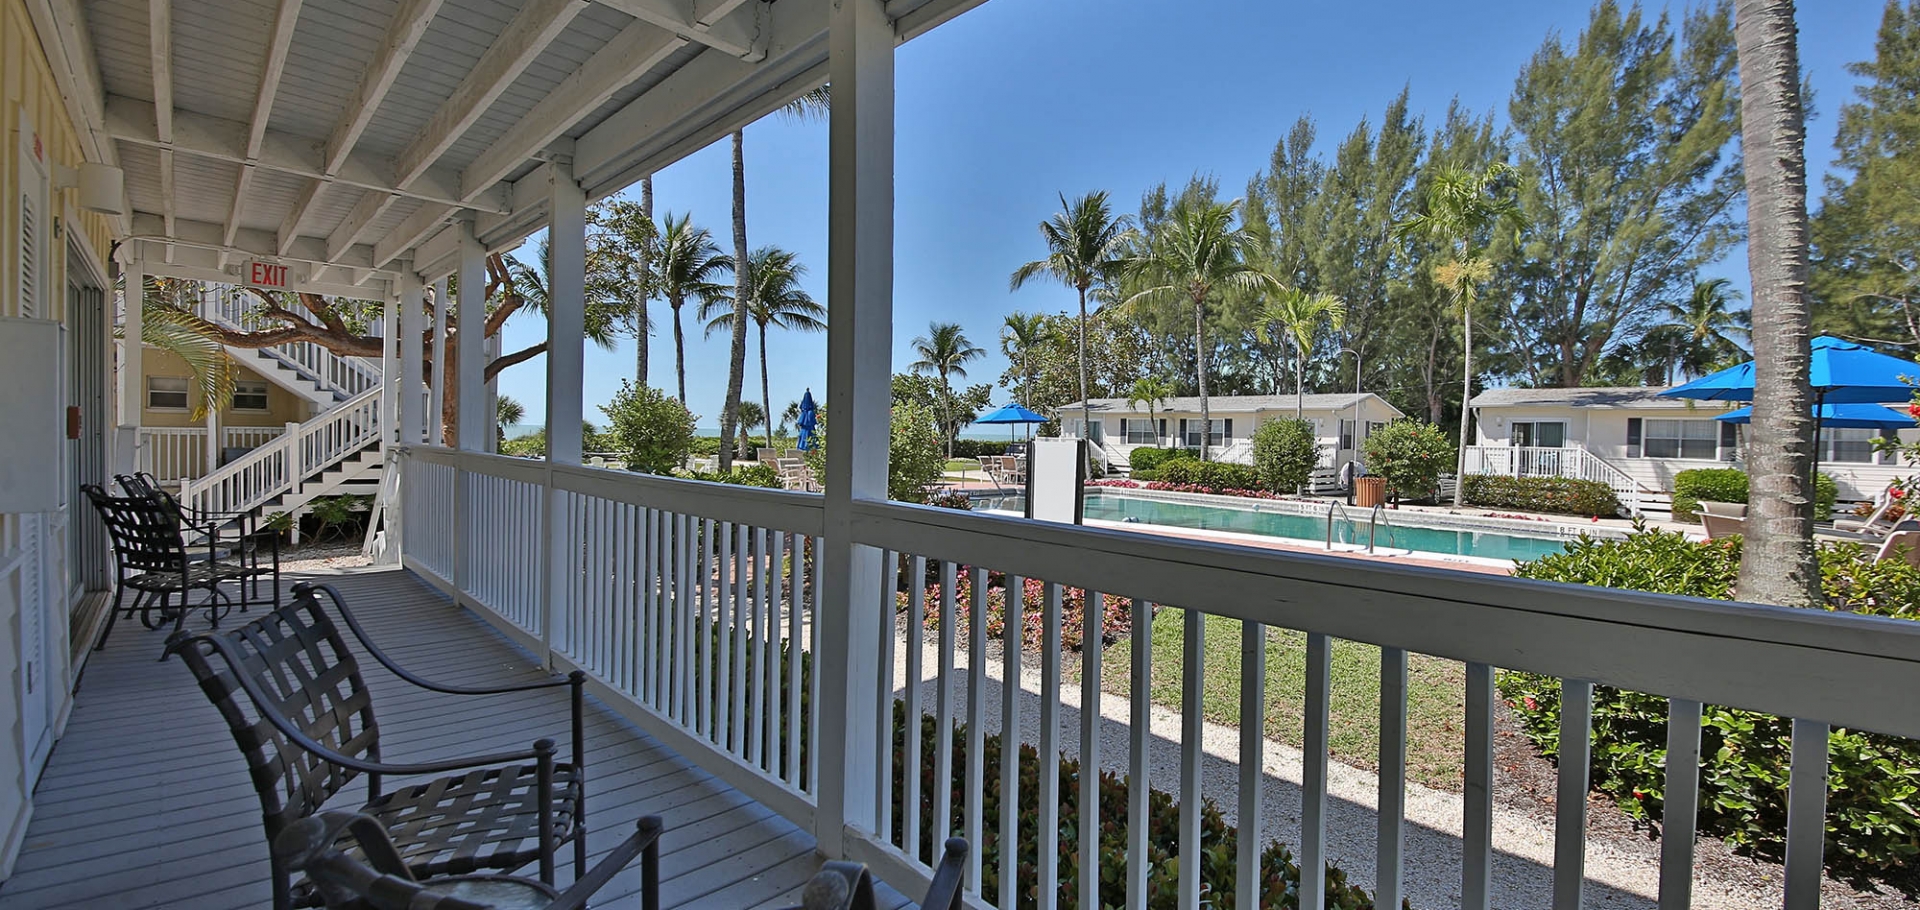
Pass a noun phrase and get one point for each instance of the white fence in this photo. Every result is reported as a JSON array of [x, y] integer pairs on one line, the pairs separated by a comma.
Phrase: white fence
[[278, 466], [1571, 463], [678, 597], [180, 453]]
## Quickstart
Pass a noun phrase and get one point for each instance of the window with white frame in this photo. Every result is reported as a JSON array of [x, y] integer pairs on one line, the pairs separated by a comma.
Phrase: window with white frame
[[167, 393], [1847, 444], [1695, 439], [249, 395], [1346, 434], [1190, 433], [1141, 431]]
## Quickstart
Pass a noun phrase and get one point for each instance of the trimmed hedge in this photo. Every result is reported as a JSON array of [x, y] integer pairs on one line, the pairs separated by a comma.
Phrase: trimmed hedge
[[1874, 785], [1147, 461], [1208, 476], [975, 448], [1730, 485], [1559, 495], [744, 474]]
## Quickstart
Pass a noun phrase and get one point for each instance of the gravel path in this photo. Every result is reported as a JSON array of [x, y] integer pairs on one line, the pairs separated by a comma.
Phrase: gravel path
[[1622, 863]]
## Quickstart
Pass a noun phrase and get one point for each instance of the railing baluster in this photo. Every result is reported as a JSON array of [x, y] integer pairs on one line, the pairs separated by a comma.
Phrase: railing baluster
[[670, 617], [796, 603], [1392, 814], [1253, 725], [723, 641], [915, 646], [1011, 640], [649, 600], [1048, 746], [1093, 628], [1139, 734], [973, 827], [1192, 673], [693, 587], [1313, 792], [1806, 813], [1476, 873], [943, 712], [776, 556], [742, 609], [1570, 806], [813, 686], [757, 644], [703, 664], [1681, 804], [883, 743]]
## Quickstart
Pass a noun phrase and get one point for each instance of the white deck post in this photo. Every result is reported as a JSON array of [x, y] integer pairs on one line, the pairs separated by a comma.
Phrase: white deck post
[[131, 392], [566, 352], [437, 404], [859, 366], [473, 422], [389, 368], [412, 318]]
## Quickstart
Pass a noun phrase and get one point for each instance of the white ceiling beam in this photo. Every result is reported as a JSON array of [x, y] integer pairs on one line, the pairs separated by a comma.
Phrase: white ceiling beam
[[637, 49], [68, 44], [196, 263], [358, 221], [537, 24], [247, 242], [296, 213], [410, 232], [278, 44], [409, 24], [735, 32], [132, 121], [160, 42]]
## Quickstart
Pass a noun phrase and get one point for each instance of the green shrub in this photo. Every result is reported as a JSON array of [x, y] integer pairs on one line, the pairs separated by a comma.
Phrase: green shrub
[[1561, 495], [1872, 828], [975, 448], [916, 455], [1410, 456], [1284, 454], [653, 429], [744, 474], [1147, 461], [1730, 485]]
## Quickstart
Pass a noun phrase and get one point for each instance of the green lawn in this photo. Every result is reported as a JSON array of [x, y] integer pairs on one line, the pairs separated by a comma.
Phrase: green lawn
[[958, 465], [1436, 693]]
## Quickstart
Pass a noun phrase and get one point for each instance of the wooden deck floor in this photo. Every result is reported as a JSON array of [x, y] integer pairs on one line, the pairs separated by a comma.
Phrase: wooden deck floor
[[146, 802]]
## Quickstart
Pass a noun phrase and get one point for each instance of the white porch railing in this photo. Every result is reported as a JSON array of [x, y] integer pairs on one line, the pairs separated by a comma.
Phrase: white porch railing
[[677, 598], [180, 453], [284, 462], [1569, 462]]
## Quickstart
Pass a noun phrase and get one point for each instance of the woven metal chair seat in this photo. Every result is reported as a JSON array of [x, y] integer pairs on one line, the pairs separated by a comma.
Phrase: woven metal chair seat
[[488, 818], [197, 575]]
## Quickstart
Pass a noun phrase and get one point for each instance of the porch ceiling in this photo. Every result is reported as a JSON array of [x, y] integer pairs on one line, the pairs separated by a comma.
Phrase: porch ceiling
[[340, 136]]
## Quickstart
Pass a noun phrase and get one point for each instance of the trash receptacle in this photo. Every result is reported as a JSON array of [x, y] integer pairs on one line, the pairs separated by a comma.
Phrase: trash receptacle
[[1369, 491]]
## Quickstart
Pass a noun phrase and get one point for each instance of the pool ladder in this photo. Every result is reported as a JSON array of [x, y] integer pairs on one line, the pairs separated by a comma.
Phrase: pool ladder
[[1373, 522]]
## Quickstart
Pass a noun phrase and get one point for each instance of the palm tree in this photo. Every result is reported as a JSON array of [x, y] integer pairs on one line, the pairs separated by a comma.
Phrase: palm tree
[[1150, 391], [688, 264], [1704, 333], [1462, 207], [165, 323], [945, 350], [1019, 335], [774, 299], [1300, 315], [811, 104], [1197, 251], [506, 412], [1777, 562], [1084, 245]]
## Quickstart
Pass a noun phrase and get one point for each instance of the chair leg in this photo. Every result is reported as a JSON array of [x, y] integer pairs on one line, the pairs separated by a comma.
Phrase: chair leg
[[282, 884]]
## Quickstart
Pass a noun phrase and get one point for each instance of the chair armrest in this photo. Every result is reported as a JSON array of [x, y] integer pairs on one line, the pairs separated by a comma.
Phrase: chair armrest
[[644, 843], [366, 641], [180, 641]]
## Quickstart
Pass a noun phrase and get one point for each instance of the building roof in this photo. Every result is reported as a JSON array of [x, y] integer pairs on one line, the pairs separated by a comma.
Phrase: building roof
[[1615, 397], [1231, 404]]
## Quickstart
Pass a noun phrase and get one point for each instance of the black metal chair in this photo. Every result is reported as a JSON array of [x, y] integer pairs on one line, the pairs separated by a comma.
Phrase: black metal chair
[[237, 539], [306, 726], [849, 886], [378, 878], [152, 559]]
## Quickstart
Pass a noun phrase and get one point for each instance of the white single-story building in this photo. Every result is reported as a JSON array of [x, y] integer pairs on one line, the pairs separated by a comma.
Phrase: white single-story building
[[1341, 421], [1635, 433]]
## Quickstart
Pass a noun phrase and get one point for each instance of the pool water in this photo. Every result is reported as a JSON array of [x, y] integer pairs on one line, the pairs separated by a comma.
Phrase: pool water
[[1313, 528]]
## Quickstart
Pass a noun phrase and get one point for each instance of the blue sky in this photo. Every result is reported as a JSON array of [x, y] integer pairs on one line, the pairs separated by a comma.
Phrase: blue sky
[[1012, 104]]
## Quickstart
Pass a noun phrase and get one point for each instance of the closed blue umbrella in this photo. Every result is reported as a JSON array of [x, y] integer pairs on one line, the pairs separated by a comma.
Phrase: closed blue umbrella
[[809, 421], [1845, 416]]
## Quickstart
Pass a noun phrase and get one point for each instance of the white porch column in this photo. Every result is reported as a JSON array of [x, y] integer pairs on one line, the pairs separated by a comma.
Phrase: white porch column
[[130, 391], [389, 368], [436, 405], [566, 323], [859, 369], [409, 405], [474, 417]]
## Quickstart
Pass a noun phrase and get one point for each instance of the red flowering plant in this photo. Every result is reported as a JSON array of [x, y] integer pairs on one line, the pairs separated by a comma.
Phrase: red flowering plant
[[1116, 622], [1909, 454]]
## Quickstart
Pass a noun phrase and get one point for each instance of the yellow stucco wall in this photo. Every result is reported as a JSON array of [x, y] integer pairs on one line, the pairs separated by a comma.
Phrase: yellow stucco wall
[[283, 407]]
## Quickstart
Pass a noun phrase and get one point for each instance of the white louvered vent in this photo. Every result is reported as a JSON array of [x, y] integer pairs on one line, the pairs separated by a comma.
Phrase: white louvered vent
[[29, 255], [33, 222]]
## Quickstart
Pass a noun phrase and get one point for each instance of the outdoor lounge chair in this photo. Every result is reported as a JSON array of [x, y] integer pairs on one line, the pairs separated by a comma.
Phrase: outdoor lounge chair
[[1719, 526], [1902, 543], [152, 559], [306, 727], [1725, 509], [1876, 523], [250, 553], [376, 878]]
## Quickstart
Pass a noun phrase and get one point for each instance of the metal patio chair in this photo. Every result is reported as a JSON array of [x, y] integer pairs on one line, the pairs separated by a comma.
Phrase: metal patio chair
[[373, 876], [152, 559], [236, 538], [306, 726], [849, 886]]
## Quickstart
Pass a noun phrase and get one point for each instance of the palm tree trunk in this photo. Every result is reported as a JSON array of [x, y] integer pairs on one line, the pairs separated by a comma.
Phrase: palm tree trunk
[[946, 412], [1299, 382], [1200, 370], [641, 330], [1086, 406], [766, 396], [1777, 563], [737, 362], [1466, 394], [679, 349]]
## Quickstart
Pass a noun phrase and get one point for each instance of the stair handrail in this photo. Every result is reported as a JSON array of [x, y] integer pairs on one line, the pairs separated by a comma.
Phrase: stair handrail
[[281, 465], [221, 306]]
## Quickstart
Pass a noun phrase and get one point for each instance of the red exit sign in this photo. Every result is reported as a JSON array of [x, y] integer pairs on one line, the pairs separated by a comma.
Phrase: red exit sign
[[266, 275]]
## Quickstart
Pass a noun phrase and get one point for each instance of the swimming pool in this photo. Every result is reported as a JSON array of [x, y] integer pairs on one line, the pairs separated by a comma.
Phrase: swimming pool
[[1274, 520]]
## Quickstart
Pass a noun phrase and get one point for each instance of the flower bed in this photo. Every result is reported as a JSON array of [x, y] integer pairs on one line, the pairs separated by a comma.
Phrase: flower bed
[[1170, 487], [1117, 622]]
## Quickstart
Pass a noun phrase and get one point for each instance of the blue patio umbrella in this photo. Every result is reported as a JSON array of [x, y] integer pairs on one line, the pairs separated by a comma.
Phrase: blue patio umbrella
[[809, 421], [1010, 414], [1842, 373], [1845, 416]]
